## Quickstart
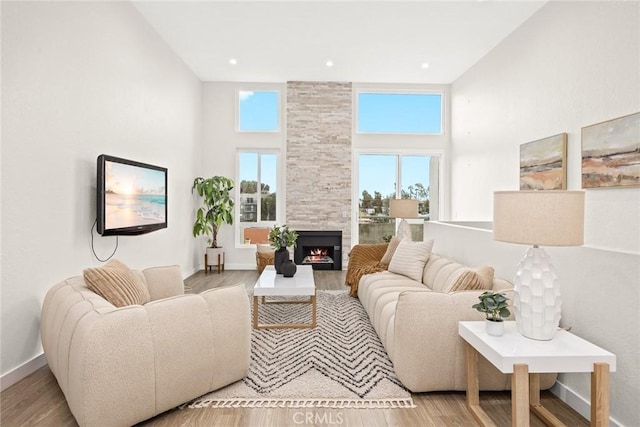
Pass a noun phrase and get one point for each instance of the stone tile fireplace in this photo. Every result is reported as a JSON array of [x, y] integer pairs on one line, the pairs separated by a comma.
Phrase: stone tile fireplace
[[318, 160]]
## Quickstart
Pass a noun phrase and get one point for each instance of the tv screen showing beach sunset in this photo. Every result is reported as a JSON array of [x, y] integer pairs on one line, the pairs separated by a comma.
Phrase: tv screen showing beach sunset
[[134, 196]]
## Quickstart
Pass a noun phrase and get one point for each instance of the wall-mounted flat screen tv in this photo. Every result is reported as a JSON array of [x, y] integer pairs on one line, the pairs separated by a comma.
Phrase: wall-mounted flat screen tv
[[131, 197]]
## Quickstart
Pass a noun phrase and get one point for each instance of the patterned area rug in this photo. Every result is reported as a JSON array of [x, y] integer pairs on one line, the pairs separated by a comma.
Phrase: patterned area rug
[[339, 364]]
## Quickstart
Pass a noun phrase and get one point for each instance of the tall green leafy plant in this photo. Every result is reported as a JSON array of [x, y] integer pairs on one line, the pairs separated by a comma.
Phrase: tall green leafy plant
[[217, 206]]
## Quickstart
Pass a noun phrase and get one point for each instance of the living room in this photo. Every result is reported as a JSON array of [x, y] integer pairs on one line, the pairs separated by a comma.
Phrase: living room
[[83, 79]]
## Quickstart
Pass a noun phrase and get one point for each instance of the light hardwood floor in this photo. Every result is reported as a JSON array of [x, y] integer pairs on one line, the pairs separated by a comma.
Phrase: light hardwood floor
[[38, 401]]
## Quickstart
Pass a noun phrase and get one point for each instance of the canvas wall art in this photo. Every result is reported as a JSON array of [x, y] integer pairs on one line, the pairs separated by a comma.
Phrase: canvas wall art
[[543, 164], [611, 153]]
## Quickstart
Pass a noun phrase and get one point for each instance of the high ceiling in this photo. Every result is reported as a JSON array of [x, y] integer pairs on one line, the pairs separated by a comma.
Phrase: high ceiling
[[387, 41]]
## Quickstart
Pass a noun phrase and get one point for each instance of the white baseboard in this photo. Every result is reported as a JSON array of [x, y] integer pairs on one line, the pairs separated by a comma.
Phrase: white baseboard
[[22, 371], [577, 402], [251, 266]]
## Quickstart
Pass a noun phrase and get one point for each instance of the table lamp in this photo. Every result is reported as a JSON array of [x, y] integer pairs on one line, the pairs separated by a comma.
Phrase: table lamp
[[403, 208], [538, 218]]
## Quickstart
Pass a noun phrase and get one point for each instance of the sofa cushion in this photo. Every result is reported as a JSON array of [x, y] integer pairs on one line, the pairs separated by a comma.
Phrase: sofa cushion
[[377, 284], [473, 279], [410, 257], [163, 282], [391, 249], [117, 284]]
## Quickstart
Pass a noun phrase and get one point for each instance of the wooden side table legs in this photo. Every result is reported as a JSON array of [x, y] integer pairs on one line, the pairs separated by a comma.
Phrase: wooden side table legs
[[473, 388], [525, 394], [600, 403], [207, 267], [520, 396]]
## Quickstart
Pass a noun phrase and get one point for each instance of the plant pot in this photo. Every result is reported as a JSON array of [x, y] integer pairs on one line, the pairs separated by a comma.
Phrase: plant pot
[[494, 327], [214, 257], [280, 256], [288, 268]]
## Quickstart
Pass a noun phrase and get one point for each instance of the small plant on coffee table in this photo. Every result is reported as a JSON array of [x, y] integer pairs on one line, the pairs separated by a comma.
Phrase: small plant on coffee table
[[494, 305], [282, 237]]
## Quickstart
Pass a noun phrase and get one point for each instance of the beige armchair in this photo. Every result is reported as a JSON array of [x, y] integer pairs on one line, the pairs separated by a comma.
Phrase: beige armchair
[[120, 366]]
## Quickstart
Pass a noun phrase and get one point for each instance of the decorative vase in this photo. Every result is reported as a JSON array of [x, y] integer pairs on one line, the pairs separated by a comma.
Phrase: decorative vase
[[280, 256], [288, 268], [494, 327], [536, 296]]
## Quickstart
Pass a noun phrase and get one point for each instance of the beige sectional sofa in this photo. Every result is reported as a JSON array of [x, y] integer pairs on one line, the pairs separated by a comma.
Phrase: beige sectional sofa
[[417, 322], [120, 366]]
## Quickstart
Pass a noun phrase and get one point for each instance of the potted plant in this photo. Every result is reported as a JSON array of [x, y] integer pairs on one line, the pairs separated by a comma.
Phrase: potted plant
[[217, 209], [281, 238], [494, 305]]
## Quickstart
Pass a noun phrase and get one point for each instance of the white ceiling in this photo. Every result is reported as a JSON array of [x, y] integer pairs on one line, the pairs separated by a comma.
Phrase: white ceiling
[[367, 41]]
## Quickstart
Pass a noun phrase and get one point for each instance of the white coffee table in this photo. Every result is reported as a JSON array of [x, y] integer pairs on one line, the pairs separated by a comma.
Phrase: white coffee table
[[271, 284], [512, 353]]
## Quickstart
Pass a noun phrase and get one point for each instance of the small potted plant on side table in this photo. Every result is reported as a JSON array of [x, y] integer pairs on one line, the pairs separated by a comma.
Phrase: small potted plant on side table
[[494, 305], [281, 238]]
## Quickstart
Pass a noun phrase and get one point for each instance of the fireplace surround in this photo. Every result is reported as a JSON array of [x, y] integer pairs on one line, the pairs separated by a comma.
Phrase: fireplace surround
[[322, 249]]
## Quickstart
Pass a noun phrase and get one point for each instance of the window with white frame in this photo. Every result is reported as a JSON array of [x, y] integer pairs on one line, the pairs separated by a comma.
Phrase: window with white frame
[[385, 176], [256, 195], [258, 111], [396, 113]]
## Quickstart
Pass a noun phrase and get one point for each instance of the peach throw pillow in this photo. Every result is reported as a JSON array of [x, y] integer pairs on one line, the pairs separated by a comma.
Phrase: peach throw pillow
[[116, 283], [480, 278]]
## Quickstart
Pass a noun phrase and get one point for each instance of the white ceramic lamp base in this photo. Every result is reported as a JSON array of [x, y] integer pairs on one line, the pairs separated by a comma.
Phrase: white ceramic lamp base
[[536, 296], [404, 230]]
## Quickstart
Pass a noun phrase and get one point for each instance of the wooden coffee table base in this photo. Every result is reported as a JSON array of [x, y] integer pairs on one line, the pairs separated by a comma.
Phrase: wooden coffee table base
[[312, 301]]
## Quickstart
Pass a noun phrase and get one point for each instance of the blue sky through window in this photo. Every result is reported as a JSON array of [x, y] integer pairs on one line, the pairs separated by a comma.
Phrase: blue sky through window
[[259, 111], [268, 169], [399, 113], [377, 112], [377, 172]]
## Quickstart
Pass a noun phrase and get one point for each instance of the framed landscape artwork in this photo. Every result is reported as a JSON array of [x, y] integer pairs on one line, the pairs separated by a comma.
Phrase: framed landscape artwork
[[611, 153], [543, 164]]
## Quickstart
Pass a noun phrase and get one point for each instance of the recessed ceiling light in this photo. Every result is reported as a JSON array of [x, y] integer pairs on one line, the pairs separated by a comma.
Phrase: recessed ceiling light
[[329, 63], [425, 65], [233, 61]]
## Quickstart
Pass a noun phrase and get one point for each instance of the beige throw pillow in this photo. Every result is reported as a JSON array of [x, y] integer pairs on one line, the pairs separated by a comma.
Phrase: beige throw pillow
[[265, 248], [410, 258], [116, 283], [391, 249], [480, 278]]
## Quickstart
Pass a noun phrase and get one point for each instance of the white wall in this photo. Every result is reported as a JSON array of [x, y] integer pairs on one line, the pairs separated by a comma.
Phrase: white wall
[[81, 79], [571, 65], [220, 144]]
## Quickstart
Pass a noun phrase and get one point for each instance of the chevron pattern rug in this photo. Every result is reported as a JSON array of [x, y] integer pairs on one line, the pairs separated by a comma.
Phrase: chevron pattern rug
[[339, 364]]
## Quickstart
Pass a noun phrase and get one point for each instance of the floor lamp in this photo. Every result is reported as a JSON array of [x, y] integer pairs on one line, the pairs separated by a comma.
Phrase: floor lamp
[[538, 218], [403, 208]]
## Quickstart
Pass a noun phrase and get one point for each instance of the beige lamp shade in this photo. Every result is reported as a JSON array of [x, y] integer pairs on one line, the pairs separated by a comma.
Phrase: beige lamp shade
[[545, 218], [403, 208]]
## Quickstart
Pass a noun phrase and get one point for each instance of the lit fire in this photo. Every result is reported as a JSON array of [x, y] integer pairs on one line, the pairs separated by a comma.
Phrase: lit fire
[[318, 256], [318, 252]]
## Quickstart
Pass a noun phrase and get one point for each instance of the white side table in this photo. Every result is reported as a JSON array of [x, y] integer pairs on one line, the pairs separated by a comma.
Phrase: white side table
[[525, 358]]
